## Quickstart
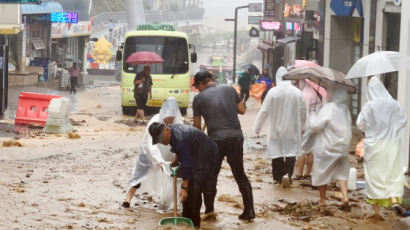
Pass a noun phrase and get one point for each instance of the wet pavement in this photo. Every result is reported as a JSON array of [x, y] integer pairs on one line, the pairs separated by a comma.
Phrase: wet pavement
[[55, 181]]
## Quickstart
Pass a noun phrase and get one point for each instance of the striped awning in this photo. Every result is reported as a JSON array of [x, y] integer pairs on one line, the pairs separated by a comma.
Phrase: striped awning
[[43, 8]]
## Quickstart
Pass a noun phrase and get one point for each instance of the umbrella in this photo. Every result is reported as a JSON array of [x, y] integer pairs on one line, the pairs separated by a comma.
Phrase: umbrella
[[254, 69], [321, 75], [300, 63], [319, 89], [144, 57], [377, 63]]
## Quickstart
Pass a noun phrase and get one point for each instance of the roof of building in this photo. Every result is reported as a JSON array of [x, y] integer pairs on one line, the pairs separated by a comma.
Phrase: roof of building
[[43, 8]]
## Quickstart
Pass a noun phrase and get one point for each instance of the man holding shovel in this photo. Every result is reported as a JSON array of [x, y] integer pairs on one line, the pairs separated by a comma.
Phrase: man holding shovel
[[197, 155], [220, 105]]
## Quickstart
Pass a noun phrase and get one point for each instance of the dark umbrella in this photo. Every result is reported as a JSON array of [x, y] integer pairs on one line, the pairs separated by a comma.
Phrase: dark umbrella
[[254, 69]]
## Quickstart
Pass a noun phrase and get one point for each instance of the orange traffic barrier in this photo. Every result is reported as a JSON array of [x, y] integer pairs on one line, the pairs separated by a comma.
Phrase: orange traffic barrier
[[32, 108]]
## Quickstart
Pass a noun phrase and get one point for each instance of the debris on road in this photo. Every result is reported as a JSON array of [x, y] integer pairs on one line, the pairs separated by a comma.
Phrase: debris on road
[[130, 123], [73, 136], [12, 143]]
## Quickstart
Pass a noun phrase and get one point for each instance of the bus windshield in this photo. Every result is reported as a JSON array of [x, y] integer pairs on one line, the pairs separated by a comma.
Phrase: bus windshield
[[173, 50]]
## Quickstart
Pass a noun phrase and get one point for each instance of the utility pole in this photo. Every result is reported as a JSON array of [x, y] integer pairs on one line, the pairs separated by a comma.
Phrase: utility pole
[[235, 35], [135, 13]]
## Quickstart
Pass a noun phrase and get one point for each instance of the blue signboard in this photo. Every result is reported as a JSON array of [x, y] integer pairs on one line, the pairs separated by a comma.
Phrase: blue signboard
[[346, 7], [65, 17], [19, 1]]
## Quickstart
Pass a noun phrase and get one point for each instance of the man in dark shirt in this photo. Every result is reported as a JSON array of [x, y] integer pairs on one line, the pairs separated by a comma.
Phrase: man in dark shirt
[[219, 105], [245, 80], [197, 154]]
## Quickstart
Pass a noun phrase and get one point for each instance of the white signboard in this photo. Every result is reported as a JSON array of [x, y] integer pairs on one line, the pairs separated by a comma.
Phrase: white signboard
[[255, 7], [254, 20], [10, 18], [62, 30]]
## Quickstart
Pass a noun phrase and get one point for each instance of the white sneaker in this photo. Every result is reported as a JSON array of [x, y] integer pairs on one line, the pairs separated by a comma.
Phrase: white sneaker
[[285, 181]]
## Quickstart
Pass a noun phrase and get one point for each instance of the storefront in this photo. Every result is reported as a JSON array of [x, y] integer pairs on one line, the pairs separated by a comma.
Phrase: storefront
[[295, 25], [69, 43], [343, 44]]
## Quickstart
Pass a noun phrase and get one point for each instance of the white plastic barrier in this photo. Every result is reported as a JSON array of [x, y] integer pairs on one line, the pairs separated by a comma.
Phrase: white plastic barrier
[[58, 120]]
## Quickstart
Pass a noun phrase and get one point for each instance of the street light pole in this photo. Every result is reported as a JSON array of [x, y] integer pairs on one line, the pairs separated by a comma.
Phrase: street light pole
[[235, 34]]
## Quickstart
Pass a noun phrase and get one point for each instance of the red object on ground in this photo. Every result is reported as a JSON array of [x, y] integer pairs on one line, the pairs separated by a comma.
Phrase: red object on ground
[[32, 108], [144, 57]]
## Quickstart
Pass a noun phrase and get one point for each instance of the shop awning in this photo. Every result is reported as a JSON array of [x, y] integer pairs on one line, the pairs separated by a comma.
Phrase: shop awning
[[287, 40], [346, 7], [10, 29], [38, 44], [43, 8]]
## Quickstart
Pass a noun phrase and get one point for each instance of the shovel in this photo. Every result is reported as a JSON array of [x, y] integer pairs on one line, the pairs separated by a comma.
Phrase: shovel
[[176, 220]]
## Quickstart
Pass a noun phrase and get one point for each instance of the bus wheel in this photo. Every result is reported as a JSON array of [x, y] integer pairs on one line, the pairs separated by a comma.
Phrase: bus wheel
[[151, 110], [183, 111], [118, 76], [129, 110]]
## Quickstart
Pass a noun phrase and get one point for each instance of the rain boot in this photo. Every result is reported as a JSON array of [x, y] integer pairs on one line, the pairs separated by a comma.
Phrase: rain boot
[[209, 199], [248, 212]]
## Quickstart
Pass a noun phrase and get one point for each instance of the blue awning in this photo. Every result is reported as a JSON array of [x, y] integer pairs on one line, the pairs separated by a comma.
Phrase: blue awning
[[346, 7], [43, 8]]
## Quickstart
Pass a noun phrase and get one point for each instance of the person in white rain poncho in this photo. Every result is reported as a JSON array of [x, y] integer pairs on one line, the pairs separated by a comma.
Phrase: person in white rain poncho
[[153, 160], [286, 110], [382, 120], [313, 104], [332, 126]]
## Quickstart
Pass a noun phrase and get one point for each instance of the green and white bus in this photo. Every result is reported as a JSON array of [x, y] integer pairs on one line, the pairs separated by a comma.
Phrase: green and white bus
[[170, 78]]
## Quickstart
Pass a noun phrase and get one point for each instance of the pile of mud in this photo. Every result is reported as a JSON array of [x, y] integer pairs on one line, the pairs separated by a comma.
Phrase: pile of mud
[[12, 143], [130, 123], [304, 210]]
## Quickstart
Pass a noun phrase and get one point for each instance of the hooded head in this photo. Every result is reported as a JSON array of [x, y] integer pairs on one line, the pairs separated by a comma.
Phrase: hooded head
[[170, 109], [279, 75], [265, 71], [337, 94], [376, 90]]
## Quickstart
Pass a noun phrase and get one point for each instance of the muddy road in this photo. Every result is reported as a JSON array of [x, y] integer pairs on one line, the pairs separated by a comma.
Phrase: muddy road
[[79, 182]]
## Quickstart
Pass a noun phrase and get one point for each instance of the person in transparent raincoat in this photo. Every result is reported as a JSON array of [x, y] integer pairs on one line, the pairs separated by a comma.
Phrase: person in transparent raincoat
[[313, 104], [332, 127], [153, 161], [382, 120], [285, 109]]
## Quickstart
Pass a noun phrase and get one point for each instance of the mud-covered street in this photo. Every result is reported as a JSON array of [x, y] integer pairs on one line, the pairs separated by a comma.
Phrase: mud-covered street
[[79, 181]]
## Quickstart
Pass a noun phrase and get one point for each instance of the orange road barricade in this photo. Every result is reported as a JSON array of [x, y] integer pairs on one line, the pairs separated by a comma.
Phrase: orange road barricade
[[32, 108]]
